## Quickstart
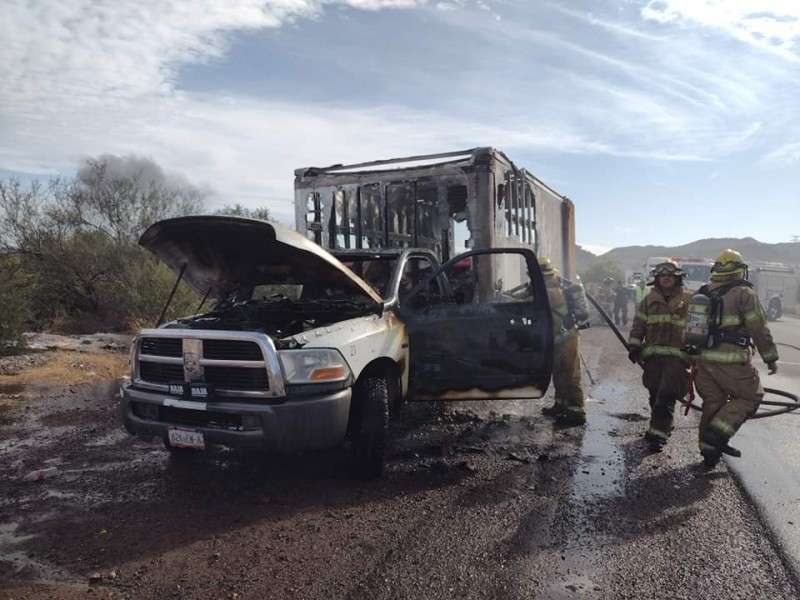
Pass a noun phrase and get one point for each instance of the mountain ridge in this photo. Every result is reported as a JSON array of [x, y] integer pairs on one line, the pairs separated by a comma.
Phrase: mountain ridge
[[632, 258]]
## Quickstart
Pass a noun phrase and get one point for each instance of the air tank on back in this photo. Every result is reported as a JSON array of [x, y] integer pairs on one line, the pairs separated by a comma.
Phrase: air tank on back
[[576, 303], [698, 321]]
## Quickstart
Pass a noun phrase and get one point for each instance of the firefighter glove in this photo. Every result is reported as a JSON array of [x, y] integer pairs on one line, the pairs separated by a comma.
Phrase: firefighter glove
[[772, 367], [634, 354]]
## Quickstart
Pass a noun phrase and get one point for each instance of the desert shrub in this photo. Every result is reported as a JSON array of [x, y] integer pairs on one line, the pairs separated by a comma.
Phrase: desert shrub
[[147, 288], [15, 316], [78, 241]]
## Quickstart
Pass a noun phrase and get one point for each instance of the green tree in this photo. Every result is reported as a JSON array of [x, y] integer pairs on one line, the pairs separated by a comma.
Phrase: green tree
[[15, 287], [78, 241], [601, 269], [237, 210]]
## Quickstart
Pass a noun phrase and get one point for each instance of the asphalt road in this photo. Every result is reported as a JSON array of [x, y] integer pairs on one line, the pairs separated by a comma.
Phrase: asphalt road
[[480, 501], [770, 466]]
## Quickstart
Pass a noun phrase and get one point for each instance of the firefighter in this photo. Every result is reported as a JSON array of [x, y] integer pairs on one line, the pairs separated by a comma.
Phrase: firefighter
[[641, 291], [656, 338], [726, 380], [621, 297], [569, 406], [606, 296]]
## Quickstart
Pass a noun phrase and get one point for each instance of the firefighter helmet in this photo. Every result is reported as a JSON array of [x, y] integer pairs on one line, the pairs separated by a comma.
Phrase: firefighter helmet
[[668, 267], [729, 262], [546, 265]]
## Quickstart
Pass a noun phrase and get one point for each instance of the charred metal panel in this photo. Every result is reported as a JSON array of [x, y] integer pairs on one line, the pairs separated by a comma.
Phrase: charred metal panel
[[229, 254], [512, 351], [505, 206], [553, 228], [484, 336]]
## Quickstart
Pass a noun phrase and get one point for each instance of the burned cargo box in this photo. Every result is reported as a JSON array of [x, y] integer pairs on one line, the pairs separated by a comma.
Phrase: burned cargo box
[[448, 203]]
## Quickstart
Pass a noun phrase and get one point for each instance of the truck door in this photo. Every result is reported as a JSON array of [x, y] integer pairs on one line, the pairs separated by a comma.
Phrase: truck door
[[488, 336]]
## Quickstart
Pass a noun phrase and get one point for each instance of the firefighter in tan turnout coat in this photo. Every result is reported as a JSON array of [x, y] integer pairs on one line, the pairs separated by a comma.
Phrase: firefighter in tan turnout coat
[[656, 338], [726, 380], [569, 407]]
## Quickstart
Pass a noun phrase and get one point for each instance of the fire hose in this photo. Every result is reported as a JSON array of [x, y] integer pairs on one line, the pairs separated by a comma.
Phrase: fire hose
[[688, 402]]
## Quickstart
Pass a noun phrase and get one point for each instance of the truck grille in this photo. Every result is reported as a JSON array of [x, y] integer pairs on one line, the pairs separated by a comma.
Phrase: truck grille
[[231, 350], [234, 378], [161, 347], [235, 367], [160, 372]]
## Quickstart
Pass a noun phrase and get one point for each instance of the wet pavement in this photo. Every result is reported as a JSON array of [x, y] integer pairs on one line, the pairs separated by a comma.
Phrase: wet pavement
[[480, 500]]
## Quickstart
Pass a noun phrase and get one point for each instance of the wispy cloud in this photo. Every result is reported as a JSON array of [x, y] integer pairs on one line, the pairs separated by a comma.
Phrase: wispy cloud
[[85, 53], [788, 154], [771, 25], [646, 80], [247, 149]]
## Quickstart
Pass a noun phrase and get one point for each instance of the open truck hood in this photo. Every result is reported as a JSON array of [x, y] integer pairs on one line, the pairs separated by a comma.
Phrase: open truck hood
[[224, 254]]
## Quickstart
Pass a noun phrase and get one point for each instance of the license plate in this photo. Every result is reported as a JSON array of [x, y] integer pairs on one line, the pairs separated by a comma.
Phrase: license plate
[[186, 438]]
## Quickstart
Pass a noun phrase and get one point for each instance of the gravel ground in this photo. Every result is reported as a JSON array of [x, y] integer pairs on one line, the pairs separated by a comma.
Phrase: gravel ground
[[39, 346], [481, 500]]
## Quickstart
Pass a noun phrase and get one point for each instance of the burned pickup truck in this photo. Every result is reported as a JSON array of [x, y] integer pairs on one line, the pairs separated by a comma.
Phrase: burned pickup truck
[[303, 350]]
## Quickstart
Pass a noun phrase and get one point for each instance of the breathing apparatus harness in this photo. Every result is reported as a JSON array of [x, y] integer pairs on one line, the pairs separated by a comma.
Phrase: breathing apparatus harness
[[704, 326], [577, 308]]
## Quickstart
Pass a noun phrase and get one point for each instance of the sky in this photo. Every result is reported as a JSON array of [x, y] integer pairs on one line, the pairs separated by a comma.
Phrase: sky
[[665, 121]]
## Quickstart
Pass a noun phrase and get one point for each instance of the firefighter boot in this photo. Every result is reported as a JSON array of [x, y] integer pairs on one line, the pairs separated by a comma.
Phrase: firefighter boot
[[654, 441], [720, 443], [570, 418], [731, 451], [551, 411], [710, 457]]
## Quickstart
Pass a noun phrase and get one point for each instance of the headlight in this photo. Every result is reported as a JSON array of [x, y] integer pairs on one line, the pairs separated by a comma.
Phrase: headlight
[[313, 366], [132, 357]]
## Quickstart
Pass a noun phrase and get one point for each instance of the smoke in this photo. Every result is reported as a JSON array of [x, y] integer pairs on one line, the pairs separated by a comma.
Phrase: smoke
[[143, 170]]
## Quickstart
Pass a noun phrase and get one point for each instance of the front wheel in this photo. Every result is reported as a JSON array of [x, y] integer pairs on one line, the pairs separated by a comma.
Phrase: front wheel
[[370, 430]]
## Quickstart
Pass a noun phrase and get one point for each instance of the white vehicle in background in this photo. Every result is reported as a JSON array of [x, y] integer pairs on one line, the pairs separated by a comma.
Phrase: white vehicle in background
[[776, 286], [650, 264], [698, 272]]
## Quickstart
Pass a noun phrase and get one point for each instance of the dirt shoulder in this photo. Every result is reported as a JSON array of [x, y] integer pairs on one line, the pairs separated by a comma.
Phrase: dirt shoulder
[[52, 360]]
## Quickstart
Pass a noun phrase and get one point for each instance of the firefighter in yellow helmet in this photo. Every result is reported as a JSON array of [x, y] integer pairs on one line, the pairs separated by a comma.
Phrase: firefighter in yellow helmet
[[726, 380], [569, 406], [656, 338]]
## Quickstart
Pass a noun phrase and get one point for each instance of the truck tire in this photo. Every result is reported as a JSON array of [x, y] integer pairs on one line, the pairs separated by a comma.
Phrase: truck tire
[[396, 399], [774, 311], [371, 428]]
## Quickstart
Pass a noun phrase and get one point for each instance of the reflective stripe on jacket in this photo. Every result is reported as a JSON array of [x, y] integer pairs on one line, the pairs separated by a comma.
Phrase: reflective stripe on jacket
[[659, 322], [741, 313]]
